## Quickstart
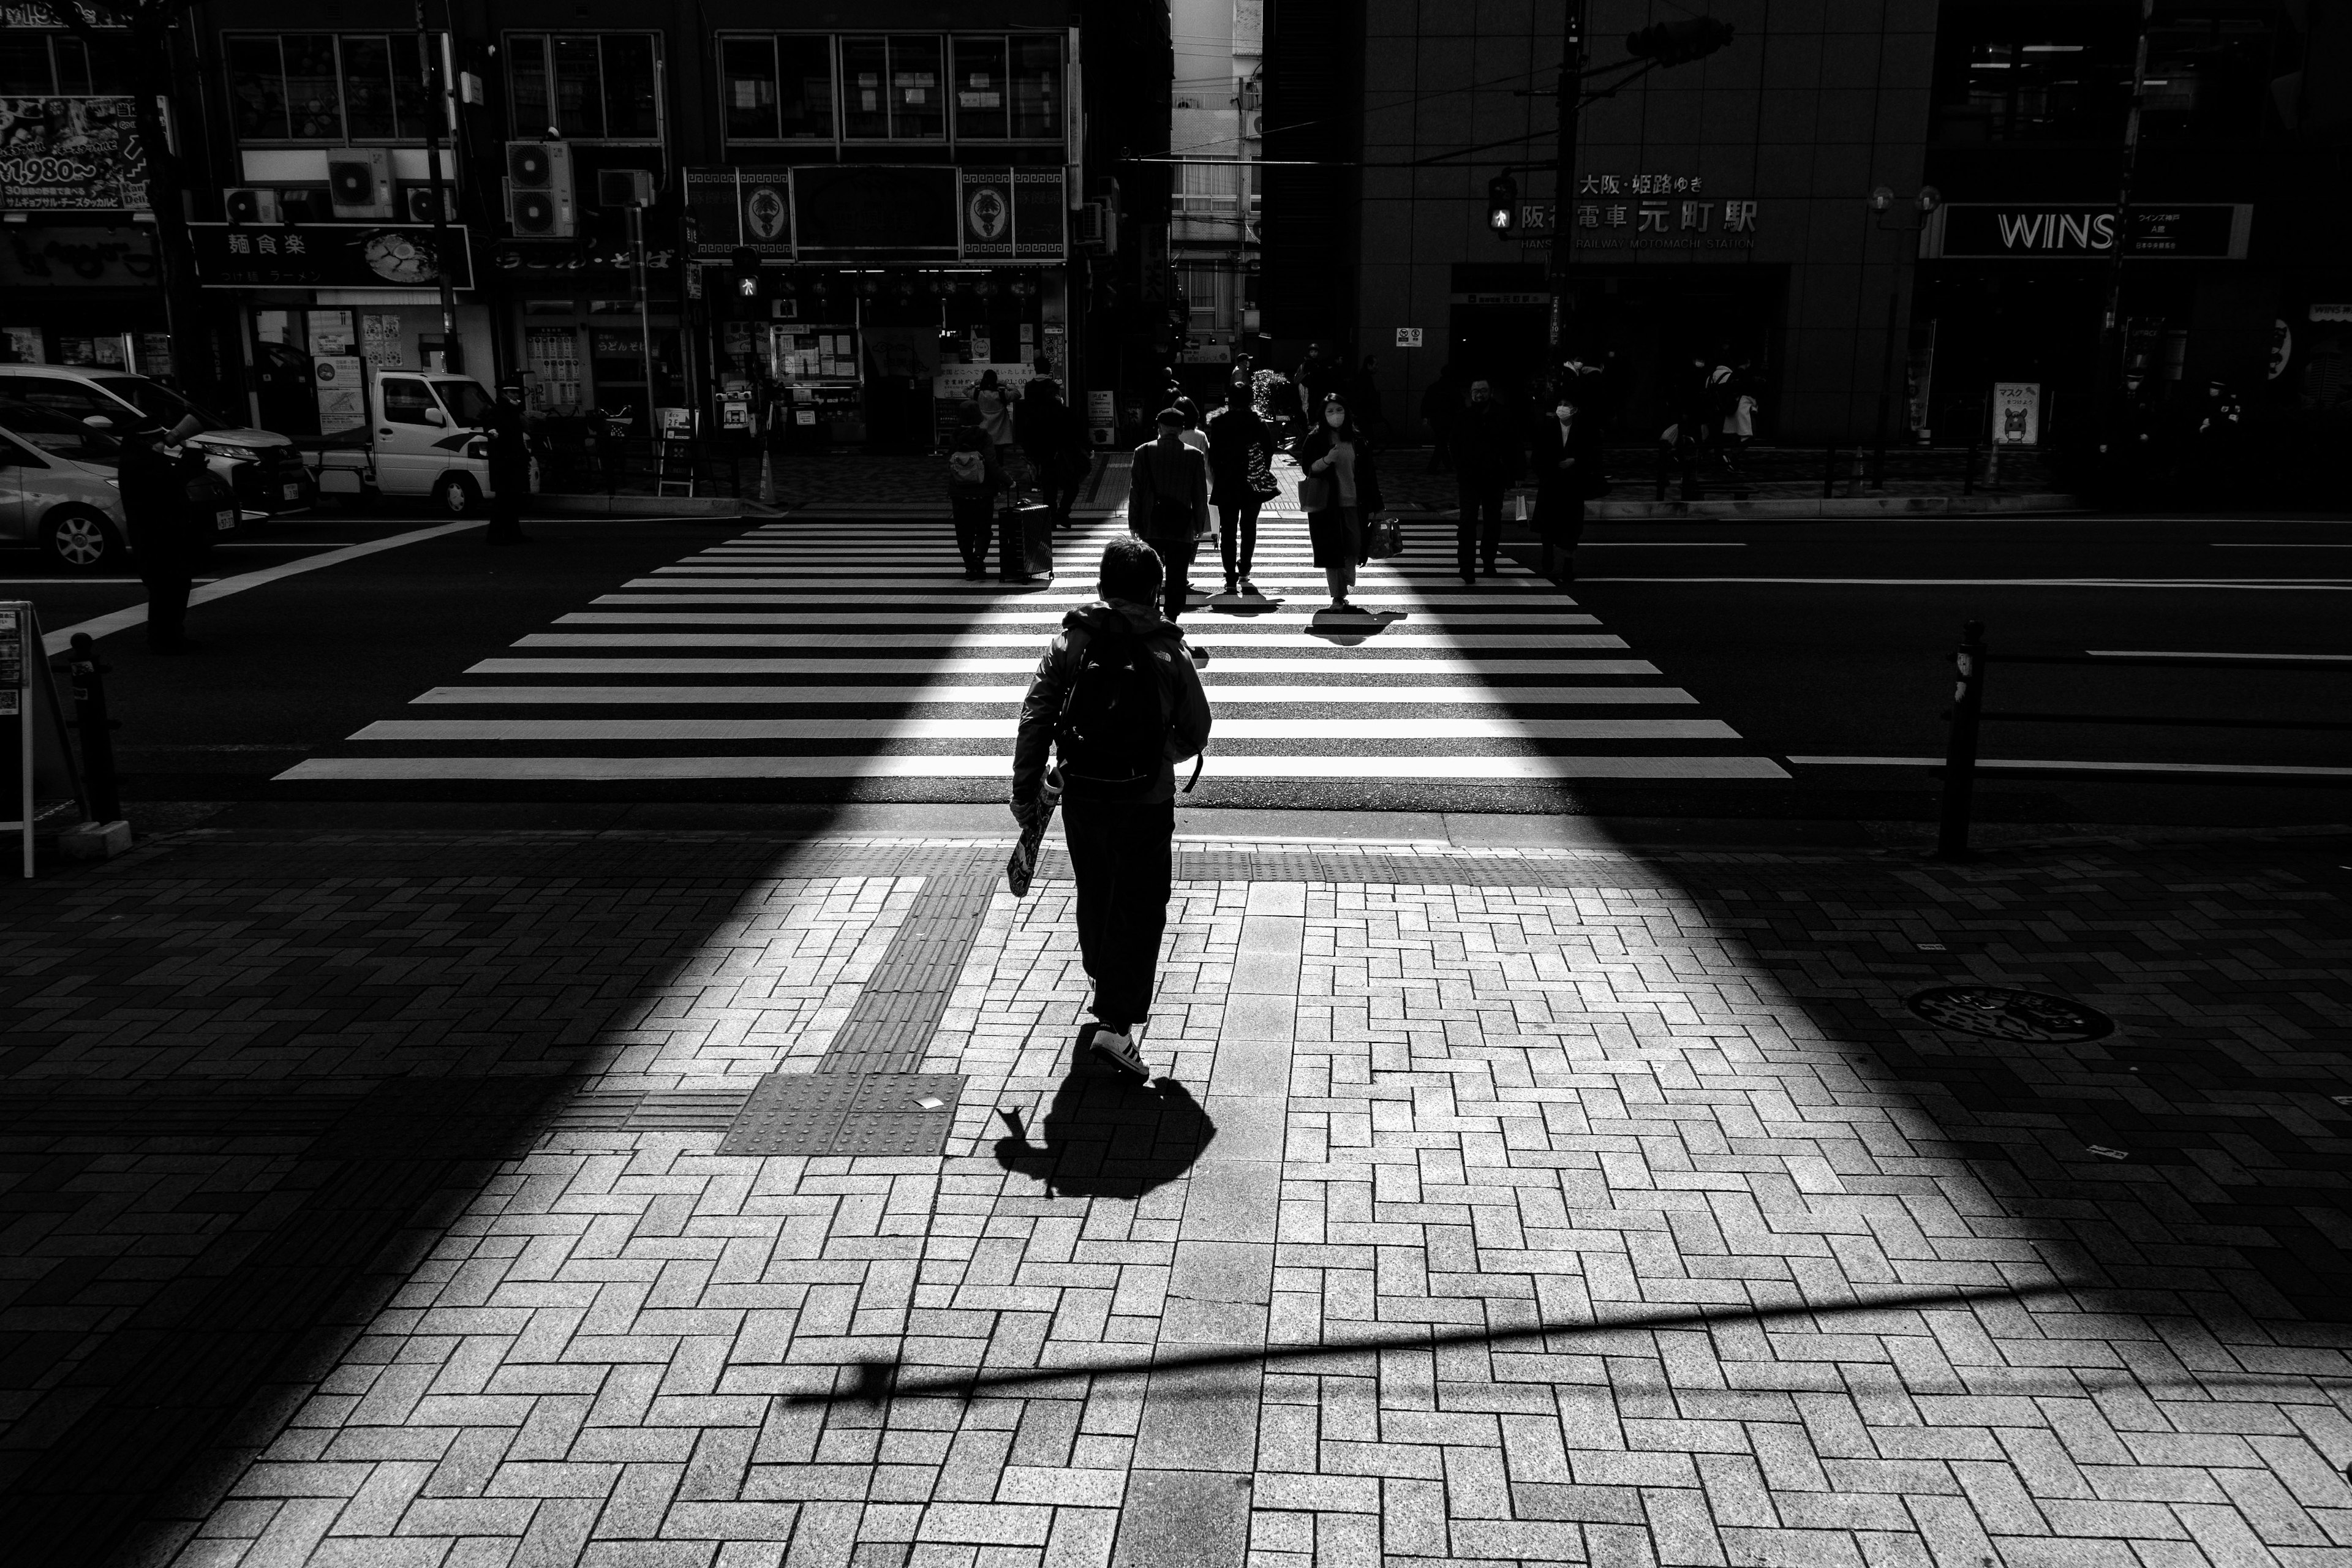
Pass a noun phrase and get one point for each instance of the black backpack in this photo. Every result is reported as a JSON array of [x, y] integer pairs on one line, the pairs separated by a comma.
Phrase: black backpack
[[1115, 720]]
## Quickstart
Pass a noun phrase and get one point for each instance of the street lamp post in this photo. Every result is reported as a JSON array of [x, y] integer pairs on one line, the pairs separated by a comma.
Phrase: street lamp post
[[1563, 179], [453, 354], [1882, 202]]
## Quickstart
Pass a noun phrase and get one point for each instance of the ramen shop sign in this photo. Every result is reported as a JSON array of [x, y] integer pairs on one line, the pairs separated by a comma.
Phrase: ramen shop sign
[[2035, 231]]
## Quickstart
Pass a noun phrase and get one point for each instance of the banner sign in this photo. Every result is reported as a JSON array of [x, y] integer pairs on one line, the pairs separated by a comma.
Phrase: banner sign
[[860, 211], [47, 256], [2038, 232], [733, 207], [72, 153], [328, 256]]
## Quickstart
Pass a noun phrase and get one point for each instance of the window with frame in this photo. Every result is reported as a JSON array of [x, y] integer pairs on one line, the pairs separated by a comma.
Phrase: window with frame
[[585, 86], [778, 88], [326, 86], [896, 86], [60, 64]]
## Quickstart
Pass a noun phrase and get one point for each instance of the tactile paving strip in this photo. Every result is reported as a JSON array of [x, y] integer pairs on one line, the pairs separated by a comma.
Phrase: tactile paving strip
[[878, 1113], [898, 1010]]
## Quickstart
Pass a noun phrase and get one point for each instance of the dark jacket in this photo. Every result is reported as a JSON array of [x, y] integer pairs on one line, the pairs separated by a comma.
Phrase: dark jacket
[[164, 533], [1041, 711], [1168, 492], [1487, 446], [1326, 528], [510, 449], [1235, 432], [1559, 488]]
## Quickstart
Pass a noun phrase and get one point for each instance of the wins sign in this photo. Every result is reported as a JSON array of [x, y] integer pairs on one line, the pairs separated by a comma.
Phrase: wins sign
[[2024, 232]]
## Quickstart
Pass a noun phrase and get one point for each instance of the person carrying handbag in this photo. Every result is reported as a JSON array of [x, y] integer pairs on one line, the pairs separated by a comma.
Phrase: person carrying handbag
[[1341, 489], [1241, 476]]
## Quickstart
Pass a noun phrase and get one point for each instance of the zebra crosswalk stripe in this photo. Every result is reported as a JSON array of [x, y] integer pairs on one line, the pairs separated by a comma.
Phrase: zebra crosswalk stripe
[[894, 666]]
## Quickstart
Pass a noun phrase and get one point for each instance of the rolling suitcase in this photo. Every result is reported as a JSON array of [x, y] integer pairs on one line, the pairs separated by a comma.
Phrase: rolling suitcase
[[1025, 542]]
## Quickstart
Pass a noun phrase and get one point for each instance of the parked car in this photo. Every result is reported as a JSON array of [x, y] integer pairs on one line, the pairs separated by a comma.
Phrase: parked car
[[425, 438], [58, 491], [263, 471]]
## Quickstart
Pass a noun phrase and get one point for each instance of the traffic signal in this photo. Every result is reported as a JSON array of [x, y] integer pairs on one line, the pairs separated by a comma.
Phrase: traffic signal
[[1502, 204], [1679, 43], [744, 264]]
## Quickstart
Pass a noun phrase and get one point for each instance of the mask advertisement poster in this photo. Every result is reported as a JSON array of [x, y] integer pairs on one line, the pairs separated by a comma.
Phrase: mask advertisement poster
[[2017, 413], [71, 153]]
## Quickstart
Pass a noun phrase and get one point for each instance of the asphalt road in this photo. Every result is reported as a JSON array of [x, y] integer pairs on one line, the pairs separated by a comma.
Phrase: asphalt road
[[1812, 639]]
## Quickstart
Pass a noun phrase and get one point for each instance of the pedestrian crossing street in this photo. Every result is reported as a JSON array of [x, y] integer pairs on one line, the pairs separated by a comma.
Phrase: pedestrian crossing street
[[815, 650]]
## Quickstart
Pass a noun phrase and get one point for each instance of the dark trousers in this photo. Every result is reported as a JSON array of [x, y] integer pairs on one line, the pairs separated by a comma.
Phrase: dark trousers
[[1120, 852], [1480, 530], [1176, 557], [1237, 536], [506, 517], [1061, 492], [974, 520], [1560, 538], [167, 607]]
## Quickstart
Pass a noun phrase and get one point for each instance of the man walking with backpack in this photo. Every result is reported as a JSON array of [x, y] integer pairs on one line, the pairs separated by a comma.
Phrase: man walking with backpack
[[1117, 698]]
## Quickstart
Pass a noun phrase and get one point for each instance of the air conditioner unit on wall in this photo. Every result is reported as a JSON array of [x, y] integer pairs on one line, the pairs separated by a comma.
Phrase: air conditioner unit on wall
[[1253, 124], [416, 202], [359, 182], [250, 204], [539, 198], [1097, 228]]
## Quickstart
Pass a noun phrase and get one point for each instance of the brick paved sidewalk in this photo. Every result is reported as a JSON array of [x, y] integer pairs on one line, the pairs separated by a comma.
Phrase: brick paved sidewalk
[[365, 1206]]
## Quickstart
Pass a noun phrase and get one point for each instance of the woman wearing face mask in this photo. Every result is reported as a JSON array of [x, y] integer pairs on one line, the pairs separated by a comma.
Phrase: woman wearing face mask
[[1336, 454], [1567, 464]]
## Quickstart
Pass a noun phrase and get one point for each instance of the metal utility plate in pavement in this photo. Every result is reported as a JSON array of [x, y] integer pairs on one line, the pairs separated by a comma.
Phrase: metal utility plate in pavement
[[878, 1113]]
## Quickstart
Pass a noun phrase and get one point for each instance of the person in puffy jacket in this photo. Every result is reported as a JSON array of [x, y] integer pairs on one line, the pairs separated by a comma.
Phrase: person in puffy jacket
[[976, 479], [1120, 834]]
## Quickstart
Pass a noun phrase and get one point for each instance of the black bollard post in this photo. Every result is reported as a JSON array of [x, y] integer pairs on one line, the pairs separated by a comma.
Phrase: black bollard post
[[1960, 746], [97, 729]]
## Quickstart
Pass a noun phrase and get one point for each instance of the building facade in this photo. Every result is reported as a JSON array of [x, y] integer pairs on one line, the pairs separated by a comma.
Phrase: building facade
[[1216, 126], [830, 221], [1826, 199]]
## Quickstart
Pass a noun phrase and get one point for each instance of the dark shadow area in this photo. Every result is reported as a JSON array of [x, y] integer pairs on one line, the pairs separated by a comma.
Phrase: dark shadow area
[[1107, 1135], [869, 1380], [1352, 626]]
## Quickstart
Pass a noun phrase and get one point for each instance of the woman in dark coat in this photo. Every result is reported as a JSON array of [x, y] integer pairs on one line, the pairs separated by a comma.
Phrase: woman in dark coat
[[1565, 458], [1336, 452], [1241, 477]]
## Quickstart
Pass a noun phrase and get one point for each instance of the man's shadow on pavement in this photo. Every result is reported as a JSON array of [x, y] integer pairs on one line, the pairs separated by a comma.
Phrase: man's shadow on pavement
[[1107, 1135]]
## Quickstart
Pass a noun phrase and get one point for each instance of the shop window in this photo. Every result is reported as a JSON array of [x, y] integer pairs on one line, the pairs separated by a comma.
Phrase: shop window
[[326, 86], [1037, 89], [2018, 77], [60, 64], [890, 88], [778, 88], [585, 86], [982, 96]]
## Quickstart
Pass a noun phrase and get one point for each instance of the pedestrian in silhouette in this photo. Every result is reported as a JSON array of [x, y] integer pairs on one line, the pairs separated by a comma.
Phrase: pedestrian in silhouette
[[163, 527], [1119, 704], [1567, 463], [1167, 505], [1487, 454], [510, 464], [1241, 479], [1341, 490]]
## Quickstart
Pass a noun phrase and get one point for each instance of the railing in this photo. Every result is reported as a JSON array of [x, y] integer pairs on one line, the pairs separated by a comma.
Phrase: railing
[[1968, 712], [1827, 472], [581, 462]]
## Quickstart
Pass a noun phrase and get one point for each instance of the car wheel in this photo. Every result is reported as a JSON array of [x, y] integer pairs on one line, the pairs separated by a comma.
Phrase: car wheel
[[76, 540], [456, 495]]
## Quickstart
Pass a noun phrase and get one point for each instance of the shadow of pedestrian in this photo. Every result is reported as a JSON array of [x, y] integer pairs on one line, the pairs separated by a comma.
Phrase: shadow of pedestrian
[[1352, 625], [1108, 1136]]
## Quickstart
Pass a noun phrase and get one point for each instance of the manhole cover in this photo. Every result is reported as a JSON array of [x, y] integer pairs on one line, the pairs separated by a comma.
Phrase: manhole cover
[[2031, 1017]]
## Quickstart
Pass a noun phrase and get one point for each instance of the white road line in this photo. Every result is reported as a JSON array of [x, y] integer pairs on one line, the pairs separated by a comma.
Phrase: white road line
[[1418, 727], [2230, 769], [1222, 692], [2257, 584], [1216, 605], [1465, 770], [2245, 544], [2195, 653], [957, 617], [1030, 640], [136, 614], [1229, 665]]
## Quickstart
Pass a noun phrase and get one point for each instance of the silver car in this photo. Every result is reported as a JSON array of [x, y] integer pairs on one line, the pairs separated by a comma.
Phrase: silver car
[[58, 491], [263, 469]]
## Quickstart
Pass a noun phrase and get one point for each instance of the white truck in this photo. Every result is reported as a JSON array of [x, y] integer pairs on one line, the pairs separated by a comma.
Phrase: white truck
[[425, 437]]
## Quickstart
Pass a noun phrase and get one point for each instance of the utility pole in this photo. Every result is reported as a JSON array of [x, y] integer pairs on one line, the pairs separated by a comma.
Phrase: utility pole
[[453, 353], [2112, 348], [1563, 182]]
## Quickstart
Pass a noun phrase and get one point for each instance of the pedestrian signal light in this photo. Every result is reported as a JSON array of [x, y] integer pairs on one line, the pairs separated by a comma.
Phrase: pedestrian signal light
[[1679, 43], [1502, 204], [745, 264]]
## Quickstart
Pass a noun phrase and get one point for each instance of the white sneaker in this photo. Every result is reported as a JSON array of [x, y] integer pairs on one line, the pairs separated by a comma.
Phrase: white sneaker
[[1119, 1051]]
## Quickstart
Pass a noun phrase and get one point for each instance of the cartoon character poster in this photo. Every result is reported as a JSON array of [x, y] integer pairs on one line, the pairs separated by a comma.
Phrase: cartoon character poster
[[2017, 413]]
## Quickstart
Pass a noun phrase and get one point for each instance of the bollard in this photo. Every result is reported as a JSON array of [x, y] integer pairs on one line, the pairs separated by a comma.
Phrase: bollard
[[1960, 746], [97, 729]]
